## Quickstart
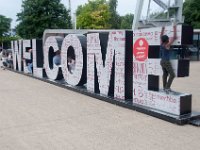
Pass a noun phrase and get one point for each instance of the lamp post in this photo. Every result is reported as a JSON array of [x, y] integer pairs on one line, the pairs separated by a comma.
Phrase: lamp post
[[70, 8], [1, 33], [75, 21]]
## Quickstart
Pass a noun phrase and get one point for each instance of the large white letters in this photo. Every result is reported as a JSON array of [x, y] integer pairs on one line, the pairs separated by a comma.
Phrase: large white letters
[[26, 54], [73, 64], [17, 54], [115, 50], [51, 45]]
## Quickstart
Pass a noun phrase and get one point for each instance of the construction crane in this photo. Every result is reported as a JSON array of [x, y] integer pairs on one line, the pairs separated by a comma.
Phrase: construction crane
[[173, 12]]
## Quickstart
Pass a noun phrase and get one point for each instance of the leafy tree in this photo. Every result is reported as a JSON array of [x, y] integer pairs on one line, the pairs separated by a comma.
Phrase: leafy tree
[[115, 18], [93, 15], [38, 15], [4, 28], [126, 21], [6, 42], [191, 12]]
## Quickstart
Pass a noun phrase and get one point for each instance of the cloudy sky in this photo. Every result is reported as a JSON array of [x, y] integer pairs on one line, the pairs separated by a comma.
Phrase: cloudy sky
[[10, 8]]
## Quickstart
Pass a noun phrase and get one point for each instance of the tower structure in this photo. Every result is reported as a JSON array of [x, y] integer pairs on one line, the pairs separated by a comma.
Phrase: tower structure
[[171, 12]]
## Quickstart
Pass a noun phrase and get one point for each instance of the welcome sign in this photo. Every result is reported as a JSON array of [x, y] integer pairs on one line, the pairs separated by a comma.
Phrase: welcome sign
[[121, 64]]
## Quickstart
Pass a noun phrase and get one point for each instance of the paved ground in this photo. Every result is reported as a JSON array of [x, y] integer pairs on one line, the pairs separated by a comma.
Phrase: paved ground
[[39, 116]]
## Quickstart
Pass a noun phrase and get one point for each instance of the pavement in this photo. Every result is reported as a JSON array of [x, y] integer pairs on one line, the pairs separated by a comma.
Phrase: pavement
[[35, 115]]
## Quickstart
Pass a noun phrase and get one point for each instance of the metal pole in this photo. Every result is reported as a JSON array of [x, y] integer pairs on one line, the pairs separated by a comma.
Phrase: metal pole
[[179, 5], [137, 13], [147, 17], [70, 9], [198, 40], [0, 34], [75, 20]]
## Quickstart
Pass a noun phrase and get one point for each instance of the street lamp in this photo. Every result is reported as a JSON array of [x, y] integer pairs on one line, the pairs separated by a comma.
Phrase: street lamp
[[75, 21], [1, 34]]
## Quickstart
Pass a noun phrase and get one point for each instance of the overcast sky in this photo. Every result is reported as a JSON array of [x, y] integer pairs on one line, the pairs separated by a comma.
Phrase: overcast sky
[[10, 8]]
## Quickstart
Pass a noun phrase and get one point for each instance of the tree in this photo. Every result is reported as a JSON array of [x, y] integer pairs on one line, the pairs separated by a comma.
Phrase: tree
[[191, 12], [127, 21], [4, 28], [93, 15], [115, 18], [38, 15]]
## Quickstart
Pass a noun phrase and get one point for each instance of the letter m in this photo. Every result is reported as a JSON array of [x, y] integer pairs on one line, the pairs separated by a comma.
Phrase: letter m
[[109, 63]]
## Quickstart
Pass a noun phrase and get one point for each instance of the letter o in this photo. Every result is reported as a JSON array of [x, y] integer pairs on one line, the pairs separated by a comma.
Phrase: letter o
[[52, 44], [78, 44]]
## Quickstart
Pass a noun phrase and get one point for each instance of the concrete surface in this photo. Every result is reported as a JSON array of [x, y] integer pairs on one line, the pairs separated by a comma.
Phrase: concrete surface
[[35, 115]]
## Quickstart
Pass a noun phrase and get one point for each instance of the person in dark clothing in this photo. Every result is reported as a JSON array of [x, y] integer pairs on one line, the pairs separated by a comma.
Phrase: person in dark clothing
[[168, 72]]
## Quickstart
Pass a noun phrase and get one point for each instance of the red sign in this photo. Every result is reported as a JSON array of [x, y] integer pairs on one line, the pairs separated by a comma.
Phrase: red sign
[[140, 49]]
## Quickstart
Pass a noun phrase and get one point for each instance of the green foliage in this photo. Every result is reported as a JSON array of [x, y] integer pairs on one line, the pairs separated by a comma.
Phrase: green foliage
[[191, 12], [158, 15], [100, 14], [38, 15], [163, 15], [11, 38], [6, 40], [115, 18], [93, 15], [4, 28], [4, 25], [126, 21]]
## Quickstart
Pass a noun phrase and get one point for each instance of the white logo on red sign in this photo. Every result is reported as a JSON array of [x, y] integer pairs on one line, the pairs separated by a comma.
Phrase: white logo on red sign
[[140, 49]]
